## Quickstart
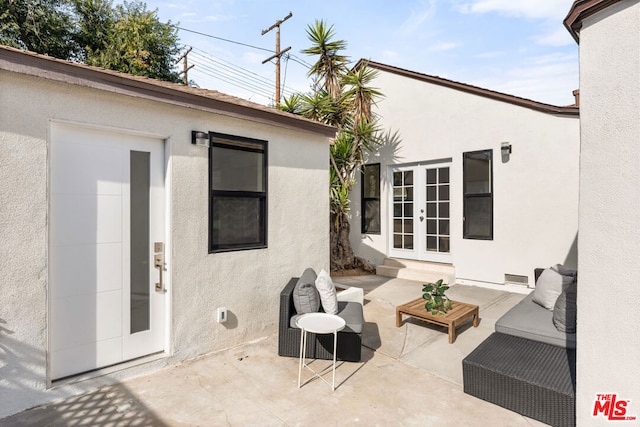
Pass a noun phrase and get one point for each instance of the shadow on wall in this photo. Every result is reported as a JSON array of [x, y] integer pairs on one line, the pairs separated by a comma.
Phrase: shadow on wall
[[387, 152], [571, 260], [21, 367]]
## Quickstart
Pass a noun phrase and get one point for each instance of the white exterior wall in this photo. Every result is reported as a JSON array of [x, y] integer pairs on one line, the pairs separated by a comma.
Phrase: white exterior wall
[[609, 246], [535, 193], [247, 282]]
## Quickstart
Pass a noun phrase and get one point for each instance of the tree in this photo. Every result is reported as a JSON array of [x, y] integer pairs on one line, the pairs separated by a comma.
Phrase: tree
[[343, 98], [128, 38], [42, 26], [134, 41]]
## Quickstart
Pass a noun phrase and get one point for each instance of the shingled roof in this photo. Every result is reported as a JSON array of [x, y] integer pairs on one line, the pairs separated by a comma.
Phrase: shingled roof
[[47, 67]]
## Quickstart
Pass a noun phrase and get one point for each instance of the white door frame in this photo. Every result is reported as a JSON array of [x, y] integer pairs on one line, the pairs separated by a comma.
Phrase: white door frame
[[417, 223], [160, 301]]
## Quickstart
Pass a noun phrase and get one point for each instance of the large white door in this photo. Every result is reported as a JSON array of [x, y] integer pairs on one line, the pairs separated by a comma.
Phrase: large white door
[[106, 213], [420, 205]]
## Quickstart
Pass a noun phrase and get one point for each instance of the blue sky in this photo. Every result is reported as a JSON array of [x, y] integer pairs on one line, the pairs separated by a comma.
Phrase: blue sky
[[519, 47]]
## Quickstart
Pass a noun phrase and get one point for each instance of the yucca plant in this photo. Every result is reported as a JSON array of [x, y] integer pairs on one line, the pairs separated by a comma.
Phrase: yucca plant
[[436, 300]]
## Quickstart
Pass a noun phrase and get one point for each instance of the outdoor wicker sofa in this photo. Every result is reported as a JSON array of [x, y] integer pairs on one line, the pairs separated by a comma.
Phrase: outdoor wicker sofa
[[522, 370], [320, 346]]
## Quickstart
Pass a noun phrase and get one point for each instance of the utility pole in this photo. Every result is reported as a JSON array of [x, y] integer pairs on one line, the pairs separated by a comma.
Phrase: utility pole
[[278, 53], [185, 68]]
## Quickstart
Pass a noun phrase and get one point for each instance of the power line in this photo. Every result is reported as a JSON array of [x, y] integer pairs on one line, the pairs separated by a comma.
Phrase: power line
[[223, 39], [240, 74], [230, 73]]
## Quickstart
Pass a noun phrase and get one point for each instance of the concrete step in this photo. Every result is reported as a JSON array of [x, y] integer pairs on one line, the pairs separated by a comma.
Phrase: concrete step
[[419, 271]]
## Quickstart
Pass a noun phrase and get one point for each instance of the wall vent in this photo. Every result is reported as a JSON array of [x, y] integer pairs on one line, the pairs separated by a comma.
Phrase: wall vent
[[516, 279]]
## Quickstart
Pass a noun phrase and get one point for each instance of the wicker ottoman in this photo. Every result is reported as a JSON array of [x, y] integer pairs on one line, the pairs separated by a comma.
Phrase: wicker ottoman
[[532, 378]]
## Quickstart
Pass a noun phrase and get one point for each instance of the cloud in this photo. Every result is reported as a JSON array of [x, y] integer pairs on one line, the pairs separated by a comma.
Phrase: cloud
[[555, 38], [538, 9], [444, 46], [543, 79], [417, 18], [490, 55]]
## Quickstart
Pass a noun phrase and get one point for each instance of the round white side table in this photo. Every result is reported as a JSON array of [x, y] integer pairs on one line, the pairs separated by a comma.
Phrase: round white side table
[[318, 323]]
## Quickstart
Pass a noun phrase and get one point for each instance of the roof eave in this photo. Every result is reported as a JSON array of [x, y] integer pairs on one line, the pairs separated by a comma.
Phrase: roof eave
[[582, 9], [42, 66], [474, 90]]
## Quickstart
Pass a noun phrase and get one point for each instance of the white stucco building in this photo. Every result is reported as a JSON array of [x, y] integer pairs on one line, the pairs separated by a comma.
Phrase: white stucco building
[[100, 182], [482, 183], [608, 345]]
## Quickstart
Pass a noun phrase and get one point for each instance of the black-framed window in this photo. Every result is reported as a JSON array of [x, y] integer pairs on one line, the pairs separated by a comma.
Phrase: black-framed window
[[370, 198], [478, 194], [237, 193]]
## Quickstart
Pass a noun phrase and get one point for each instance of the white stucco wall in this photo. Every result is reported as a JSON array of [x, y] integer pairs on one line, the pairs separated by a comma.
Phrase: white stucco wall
[[535, 192], [608, 316], [247, 283]]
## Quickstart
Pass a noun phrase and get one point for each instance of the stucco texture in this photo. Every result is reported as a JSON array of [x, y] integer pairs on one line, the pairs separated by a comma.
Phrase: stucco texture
[[247, 283], [608, 316], [535, 193]]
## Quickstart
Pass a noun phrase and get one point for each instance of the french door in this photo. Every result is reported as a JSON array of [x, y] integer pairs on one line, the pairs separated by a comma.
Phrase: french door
[[107, 299], [420, 212]]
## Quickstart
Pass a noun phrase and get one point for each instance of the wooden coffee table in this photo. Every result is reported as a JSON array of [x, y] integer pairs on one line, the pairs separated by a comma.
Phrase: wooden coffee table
[[458, 313]]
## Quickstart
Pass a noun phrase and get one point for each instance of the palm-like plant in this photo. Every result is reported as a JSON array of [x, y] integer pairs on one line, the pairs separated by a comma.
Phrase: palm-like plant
[[330, 65], [342, 98]]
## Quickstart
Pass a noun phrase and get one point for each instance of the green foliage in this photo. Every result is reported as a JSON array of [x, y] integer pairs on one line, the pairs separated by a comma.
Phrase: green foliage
[[330, 65], [342, 98], [138, 43], [436, 300], [128, 38], [292, 104], [42, 26]]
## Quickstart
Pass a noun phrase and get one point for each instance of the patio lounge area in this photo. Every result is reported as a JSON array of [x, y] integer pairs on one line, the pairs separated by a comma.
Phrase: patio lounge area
[[408, 376]]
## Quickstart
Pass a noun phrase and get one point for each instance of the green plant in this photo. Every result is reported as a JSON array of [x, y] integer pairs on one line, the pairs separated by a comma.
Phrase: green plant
[[436, 300]]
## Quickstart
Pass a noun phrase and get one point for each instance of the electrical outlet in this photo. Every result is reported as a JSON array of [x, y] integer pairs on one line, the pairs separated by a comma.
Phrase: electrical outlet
[[222, 314]]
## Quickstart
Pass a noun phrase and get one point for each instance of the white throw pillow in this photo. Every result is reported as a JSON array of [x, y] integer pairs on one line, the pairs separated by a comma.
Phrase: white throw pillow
[[327, 291], [549, 287]]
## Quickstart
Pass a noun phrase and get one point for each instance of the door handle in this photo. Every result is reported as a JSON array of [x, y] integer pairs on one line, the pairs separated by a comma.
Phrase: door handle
[[158, 262]]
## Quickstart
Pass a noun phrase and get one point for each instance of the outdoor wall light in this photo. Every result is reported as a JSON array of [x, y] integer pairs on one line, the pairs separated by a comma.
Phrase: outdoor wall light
[[505, 150], [200, 138]]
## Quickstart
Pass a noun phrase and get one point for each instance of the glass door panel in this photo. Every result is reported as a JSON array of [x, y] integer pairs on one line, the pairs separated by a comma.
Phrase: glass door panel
[[403, 215], [437, 201]]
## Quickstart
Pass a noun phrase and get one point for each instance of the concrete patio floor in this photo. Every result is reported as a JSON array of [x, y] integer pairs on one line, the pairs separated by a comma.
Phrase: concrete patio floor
[[408, 376]]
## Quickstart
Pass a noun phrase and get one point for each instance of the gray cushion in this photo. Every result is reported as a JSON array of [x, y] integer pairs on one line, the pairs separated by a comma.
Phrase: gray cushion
[[353, 315], [351, 312], [564, 312], [529, 320], [549, 287], [305, 294]]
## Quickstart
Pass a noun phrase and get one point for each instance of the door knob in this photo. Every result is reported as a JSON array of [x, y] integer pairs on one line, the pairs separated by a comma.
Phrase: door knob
[[158, 262]]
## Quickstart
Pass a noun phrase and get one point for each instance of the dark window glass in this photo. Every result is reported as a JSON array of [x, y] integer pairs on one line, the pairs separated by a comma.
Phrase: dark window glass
[[432, 176], [478, 194], [370, 200], [431, 226], [397, 210], [140, 255], [238, 193], [444, 175], [443, 210]]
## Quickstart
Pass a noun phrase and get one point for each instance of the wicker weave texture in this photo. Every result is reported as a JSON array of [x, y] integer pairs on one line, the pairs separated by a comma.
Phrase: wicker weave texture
[[318, 346], [529, 377]]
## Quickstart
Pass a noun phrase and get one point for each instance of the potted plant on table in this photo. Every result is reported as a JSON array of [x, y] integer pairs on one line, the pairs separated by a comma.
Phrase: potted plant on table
[[436, 300]]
